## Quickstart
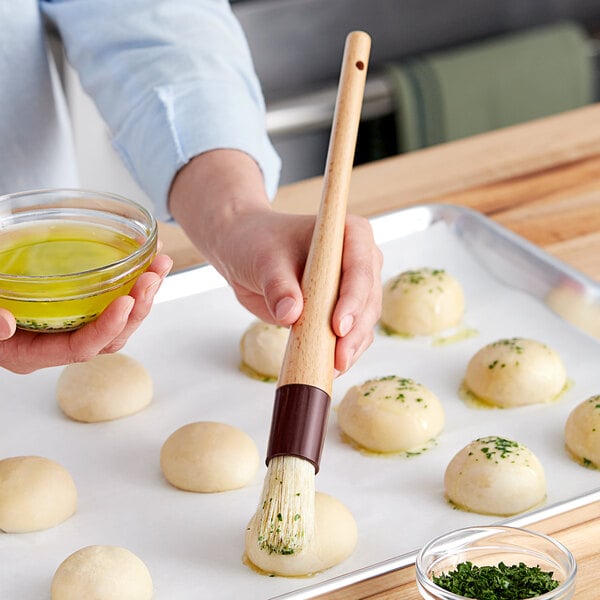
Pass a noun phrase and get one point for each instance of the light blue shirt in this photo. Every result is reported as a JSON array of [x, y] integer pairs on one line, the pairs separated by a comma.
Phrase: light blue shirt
[[171, 78]]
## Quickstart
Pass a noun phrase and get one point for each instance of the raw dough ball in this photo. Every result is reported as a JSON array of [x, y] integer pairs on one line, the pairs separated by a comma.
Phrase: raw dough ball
[[35, 493], [390, 414], [108, 386], [102, 573], [335, 539], [209, 457], [582, 432], [495, 476], [573, 304], [514, 372], [262, 348], [422, 302]]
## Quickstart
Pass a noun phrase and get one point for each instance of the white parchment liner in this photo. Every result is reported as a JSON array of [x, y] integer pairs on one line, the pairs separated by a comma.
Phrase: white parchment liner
[[193, 543]]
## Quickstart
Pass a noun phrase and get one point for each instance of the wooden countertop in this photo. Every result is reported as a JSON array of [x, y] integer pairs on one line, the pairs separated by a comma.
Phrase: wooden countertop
[[540, 179]]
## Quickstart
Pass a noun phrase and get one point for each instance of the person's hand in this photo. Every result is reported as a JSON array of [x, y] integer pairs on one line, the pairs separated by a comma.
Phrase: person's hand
[[26, 351], [265, 276], [220, 202]]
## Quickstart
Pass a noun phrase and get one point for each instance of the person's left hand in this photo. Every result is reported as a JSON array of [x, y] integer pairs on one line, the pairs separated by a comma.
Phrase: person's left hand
[[26, 351]]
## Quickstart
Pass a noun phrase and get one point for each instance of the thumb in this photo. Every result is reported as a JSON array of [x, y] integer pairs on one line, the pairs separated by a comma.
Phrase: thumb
[[283, 297], [8, 325]]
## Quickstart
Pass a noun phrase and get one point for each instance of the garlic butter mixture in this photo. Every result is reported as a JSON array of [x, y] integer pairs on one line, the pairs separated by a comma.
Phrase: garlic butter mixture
[[495, 476], [582, 432], [391, 414], [422, 302], [262, 348], [514, 372]]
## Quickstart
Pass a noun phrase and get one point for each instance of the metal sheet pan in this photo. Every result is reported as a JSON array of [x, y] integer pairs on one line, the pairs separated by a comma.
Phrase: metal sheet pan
[[193, 543]]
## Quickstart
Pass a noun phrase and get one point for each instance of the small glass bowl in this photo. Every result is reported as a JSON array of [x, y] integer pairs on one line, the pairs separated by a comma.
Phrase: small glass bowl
[[489, 545], [65, 254]]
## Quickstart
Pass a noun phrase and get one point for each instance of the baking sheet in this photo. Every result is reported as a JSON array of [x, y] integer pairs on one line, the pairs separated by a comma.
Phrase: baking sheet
[[193, 543]]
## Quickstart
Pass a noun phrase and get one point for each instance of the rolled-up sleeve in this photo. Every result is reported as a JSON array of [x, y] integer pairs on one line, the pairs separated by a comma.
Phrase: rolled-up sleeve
[[171, 78]]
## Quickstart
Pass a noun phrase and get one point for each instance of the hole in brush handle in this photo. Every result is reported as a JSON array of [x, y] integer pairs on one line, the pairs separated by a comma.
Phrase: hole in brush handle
[[299, 423]]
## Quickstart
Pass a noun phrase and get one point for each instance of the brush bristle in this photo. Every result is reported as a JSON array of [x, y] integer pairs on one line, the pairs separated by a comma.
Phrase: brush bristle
[[286, 515]]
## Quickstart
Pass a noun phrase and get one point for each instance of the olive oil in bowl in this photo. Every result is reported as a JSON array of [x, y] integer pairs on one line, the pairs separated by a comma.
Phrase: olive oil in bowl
[[60, 267]]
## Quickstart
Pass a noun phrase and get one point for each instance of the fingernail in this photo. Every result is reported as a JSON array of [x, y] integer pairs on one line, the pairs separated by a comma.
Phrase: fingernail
[[346, 325], [5, 330], [283, 308]]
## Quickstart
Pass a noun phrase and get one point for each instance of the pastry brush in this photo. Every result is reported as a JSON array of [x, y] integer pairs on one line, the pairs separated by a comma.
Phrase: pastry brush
[[285, 519]]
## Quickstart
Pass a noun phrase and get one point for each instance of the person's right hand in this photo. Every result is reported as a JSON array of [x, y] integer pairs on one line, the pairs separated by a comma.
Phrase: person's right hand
[[220, 201], [26, 351]]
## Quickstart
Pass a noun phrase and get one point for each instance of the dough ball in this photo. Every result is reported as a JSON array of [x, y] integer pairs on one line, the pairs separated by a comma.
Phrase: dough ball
[[209, 457], [102, 573], [514, 372], [35, 493], [390, 414], [262, 348], [422, 302], [573, 304], [335, 539], [582, 432], [108, 386], [495, 476]]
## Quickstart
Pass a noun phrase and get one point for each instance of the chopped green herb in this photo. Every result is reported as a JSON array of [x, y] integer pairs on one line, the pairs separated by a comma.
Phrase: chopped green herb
[[501, 582], [498, 447], [512, 343]]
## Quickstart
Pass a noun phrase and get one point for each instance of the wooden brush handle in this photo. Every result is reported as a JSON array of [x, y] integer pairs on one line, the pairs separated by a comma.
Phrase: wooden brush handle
[[310, 352]]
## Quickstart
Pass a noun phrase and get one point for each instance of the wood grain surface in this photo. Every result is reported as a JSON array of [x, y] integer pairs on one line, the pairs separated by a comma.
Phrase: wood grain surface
[[541, 179]]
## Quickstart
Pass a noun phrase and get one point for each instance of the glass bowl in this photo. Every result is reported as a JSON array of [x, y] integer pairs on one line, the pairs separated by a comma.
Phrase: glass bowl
[[489, 545], [65, 254]]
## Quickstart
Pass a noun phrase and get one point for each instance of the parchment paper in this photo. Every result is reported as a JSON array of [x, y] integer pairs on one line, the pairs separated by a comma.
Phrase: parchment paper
[[193, 543]]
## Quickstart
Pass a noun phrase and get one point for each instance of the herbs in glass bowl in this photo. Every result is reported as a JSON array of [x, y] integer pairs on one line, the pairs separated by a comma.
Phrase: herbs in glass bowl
[[497, 582], [495, 563]]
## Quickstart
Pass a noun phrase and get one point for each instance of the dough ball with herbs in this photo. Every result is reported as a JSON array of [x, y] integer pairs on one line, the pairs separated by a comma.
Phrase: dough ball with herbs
[[102, 573], [35, 493], [335, 539], [209, 457], [262, 348], [582, 432], [391, 414], [495, 476], [422, 302], [514, 372], [107, 387]]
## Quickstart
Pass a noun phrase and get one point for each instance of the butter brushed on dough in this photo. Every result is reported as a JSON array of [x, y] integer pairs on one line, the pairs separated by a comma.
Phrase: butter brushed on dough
[[495, 476], [514, 372], [107, 387], [422, 302], [262, 348], [390, 414], [582, 432], [335, 539]]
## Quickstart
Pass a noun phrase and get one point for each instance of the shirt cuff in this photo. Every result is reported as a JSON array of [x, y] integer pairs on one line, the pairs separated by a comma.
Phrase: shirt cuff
[[173, 124]]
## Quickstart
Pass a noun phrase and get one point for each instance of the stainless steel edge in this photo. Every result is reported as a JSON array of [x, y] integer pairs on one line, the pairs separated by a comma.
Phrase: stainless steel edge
[[404, 560]]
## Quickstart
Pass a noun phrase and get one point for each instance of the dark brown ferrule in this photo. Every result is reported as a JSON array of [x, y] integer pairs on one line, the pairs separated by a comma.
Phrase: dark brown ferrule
[[299, 422]]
